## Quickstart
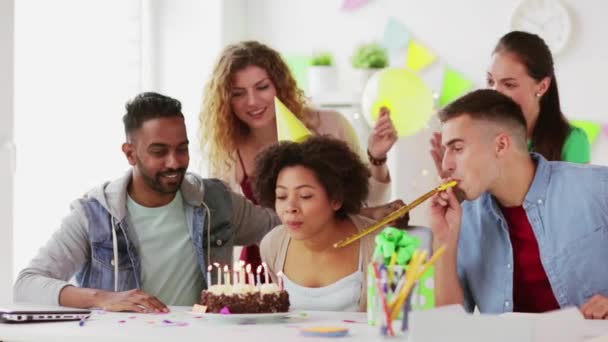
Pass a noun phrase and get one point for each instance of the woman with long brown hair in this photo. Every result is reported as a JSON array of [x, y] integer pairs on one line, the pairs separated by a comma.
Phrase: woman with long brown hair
[[522, 68], [237, 120]]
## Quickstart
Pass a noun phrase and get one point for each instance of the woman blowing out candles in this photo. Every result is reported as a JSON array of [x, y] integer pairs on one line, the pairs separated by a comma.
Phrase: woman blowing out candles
[[317, 188]]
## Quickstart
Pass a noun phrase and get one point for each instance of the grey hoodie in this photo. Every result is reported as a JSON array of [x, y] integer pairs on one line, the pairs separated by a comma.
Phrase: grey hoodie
[[72, 250]]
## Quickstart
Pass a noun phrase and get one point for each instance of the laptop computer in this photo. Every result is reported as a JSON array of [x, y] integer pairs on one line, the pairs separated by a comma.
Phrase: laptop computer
[[22, 313]]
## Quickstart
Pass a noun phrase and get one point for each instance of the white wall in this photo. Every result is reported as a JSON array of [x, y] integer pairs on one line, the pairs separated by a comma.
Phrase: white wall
[[190, 36], [6, 149], [462, 33], [234, 21], [73, 74]]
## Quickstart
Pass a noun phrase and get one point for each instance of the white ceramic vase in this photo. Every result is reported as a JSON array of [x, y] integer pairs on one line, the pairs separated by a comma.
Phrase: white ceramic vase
[[322, 79]]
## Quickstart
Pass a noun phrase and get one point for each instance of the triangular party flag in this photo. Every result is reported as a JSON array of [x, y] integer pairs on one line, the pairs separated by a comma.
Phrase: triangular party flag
[[454, 86], [289, 127], [419, 56], [591, 128], [350, 5], [396, 36]]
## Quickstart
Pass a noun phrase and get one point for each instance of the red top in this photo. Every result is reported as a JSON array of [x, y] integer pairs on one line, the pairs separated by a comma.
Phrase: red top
[[532, 291], [249, 254]]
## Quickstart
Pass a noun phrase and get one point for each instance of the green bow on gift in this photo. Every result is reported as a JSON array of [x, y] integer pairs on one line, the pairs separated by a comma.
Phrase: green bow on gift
[[392, 240]]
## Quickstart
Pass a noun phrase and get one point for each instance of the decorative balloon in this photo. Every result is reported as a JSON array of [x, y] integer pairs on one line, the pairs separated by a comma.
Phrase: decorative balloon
[[404, 93]]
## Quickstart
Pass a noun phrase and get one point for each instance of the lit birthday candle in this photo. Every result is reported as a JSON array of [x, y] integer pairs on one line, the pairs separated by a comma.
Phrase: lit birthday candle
[[280, 277], [259, 271], [209, 268], [219, 272], [265, 273], [259, 284], [241, 272], [249, 275], [235, 274], [226, 275]]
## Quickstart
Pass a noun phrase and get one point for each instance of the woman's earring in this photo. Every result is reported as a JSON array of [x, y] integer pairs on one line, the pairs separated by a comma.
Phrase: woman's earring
[[537, 94]]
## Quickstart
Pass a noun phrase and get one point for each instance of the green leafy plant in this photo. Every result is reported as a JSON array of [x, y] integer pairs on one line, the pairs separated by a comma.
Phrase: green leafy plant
[[370, 56], [322, 59]]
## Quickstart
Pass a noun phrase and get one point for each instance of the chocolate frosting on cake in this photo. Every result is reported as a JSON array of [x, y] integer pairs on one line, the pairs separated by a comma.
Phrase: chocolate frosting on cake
[[251, 302]]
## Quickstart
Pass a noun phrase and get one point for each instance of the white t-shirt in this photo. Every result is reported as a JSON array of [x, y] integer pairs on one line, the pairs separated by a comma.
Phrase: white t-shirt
[[342, 295]]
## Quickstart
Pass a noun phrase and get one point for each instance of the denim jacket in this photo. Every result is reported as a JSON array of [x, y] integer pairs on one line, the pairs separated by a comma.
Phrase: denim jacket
[[83, 246], [567, 206]]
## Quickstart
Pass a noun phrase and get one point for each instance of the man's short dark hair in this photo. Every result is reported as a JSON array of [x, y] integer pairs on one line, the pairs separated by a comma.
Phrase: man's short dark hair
[[149, 105], [340, 171], [489, 105]]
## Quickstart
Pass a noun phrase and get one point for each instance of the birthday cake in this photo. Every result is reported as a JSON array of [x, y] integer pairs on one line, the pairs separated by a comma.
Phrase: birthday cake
[[245, 298]]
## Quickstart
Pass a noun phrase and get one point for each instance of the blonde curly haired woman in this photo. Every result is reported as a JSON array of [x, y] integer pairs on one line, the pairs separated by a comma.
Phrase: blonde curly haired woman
[[237, 120]]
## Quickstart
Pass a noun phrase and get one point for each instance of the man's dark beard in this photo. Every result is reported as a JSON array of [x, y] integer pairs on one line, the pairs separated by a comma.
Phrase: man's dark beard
[[155, 182]]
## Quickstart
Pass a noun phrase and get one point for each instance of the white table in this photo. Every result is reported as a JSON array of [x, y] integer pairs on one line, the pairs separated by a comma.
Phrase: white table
[[115, 327], [179, 325]]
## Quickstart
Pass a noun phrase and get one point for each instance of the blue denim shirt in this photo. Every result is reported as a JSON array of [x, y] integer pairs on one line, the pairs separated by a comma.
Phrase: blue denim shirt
[[567, 206], [98, 271]]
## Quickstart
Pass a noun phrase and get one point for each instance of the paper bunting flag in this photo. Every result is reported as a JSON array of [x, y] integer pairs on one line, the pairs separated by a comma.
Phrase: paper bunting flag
[[351, 5], [454, 86], [419, 56], [289, 128], [396, 36], [591, 128], [298, 64]]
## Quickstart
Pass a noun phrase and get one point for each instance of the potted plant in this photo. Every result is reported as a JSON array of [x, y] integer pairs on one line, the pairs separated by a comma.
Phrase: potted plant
[[321, 74], [367, 60]]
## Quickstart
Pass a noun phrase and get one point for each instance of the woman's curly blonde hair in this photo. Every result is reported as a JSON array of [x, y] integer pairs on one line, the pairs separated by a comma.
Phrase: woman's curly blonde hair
[[219, 126]]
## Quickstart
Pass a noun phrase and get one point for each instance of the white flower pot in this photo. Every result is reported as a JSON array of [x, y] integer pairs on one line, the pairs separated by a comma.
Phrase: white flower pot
[[322, 79], [362, 76]]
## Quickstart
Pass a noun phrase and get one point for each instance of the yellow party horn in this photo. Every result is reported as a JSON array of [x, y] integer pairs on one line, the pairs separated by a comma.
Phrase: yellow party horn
[[394, 215]]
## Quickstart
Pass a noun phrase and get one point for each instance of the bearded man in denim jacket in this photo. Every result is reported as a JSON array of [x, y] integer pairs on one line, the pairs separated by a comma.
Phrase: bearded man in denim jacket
[[532, 235], [144, 241]]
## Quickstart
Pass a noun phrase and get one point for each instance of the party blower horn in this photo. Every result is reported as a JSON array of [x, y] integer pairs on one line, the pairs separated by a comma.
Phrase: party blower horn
[[394, 215]]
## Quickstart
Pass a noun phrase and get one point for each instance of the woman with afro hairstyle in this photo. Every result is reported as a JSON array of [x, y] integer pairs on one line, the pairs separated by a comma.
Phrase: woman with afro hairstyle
[[317, 188]]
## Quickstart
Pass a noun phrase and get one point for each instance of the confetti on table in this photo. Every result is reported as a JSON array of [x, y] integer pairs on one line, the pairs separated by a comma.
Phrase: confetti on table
[[170, 323], [247, 323], [351, 321]]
